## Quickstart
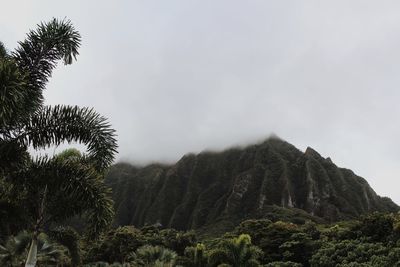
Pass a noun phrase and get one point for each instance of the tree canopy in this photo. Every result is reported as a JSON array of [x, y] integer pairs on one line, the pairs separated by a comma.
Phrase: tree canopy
[[47, 189]]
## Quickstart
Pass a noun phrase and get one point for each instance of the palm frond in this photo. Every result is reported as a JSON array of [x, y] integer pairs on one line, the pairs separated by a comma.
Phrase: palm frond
[[218, 256], [148, 255], [13, 156], [3, 51], [15, 96], [73, 189], [50, 42], [54, 125], [22, 241], [24, 74]]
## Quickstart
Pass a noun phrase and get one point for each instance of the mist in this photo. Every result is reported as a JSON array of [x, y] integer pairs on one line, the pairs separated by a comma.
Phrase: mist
[[174, 77]]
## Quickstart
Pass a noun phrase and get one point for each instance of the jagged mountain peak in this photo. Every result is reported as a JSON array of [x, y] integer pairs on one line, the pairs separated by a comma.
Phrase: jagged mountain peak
[[240, 183], [311, 152]]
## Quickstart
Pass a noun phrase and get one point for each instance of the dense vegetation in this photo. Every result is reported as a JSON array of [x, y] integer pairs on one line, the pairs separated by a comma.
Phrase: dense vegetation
[[373, 240], [264, 205]]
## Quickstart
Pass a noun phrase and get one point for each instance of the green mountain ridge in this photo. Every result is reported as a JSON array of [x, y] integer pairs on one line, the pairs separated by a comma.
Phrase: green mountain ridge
[[240, 183]]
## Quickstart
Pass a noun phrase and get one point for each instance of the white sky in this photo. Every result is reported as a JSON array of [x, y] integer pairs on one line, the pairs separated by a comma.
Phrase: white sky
[[183, 76]]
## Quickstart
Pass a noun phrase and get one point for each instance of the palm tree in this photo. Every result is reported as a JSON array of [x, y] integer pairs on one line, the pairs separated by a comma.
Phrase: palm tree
[[24, 121], [50, 189], [57, 189], [15, 248], [69, 238], [197, 256], [236, 252], [153, 256]]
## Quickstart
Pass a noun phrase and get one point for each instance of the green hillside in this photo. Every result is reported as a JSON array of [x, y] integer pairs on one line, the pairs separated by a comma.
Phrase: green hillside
[[240, 183]]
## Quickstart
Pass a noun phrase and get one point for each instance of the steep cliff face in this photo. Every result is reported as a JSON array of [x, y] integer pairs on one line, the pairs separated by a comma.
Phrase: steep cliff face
[[240, 183]]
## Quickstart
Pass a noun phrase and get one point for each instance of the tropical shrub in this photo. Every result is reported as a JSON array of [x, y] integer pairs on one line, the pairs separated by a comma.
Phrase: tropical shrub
[[116, 245], [355, 253], [236, 252], [152, 256]]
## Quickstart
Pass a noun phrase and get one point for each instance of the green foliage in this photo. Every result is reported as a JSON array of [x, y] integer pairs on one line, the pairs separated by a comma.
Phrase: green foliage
[[255, 228], [70, 154], [69, 238], [271, 240], [54, 125], [299, 248], [12, 215], [116, 245], [311, 229], [152, 256], [194, 257], [105, 264], [49, 190], [283, 264], [177, 240], [377, 227], [282, 241], [63, 189], [353, 252], [38, 54], [24, 74], [14, 92], [236, 252], [14, 251], [338, 232], [3, 51], [287, 245]]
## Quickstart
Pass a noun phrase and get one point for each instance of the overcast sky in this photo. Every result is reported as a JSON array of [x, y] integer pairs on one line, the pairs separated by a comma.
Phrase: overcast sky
[[183, 76]]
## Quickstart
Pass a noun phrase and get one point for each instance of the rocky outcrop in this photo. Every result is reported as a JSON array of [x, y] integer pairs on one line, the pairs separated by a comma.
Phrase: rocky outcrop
[[240, 183]]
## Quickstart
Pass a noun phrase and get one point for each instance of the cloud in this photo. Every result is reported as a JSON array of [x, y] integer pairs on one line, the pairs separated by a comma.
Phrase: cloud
[[183, 76]]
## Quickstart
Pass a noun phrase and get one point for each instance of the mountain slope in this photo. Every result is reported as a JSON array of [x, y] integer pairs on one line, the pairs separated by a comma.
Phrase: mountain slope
[[240, 183]]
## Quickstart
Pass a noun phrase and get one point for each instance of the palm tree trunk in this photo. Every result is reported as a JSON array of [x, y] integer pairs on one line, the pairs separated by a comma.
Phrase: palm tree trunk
[[32, 255]]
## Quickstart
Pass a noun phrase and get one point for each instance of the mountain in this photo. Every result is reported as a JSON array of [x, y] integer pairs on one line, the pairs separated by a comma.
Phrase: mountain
[[262, 180]]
